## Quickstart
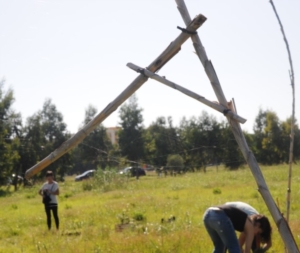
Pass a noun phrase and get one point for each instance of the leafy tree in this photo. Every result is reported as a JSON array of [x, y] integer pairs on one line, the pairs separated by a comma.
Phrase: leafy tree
[[202, 141], [9, 156], [94, 150], [44, 132], [55, 132], [232, 156], [34, 142], [268, 138], [131, 142], [161, 140], [286, 128], [175, 163]]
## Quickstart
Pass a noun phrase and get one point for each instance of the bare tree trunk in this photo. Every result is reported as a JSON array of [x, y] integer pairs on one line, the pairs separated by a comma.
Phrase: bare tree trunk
[[281, 223]]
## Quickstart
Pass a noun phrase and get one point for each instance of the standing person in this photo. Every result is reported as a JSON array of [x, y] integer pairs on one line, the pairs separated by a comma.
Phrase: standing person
[[221, 223], [261, 238], [49, 191]]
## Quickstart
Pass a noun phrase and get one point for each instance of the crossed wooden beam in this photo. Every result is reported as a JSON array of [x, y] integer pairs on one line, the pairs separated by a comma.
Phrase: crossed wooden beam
[[157, 64], [223, 107]]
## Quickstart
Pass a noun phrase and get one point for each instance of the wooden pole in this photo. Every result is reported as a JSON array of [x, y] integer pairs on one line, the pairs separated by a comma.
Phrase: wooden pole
[[214, 105], [164, 57], [292, 137], [281, 223]]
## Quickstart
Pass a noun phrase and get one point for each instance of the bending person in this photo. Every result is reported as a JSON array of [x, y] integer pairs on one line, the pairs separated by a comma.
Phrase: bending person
[[221, 222], [262, 241]]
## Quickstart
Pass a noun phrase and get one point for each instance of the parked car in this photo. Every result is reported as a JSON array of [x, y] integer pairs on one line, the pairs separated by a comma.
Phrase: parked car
[[133, 171], [85, 175]]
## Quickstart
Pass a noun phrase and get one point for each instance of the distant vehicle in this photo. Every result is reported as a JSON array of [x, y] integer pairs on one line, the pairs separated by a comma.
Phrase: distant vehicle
[[85, 175], [133, 171]]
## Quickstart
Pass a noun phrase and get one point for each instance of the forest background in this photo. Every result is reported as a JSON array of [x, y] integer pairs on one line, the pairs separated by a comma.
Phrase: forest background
[[196, 143]]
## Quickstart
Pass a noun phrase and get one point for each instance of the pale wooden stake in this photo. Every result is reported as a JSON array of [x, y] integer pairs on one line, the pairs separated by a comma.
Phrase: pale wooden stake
[[214, 105], [292, 137], [281, 223], [164, 57]]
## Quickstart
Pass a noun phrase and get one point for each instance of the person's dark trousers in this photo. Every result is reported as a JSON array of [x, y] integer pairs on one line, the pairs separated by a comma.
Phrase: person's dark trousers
[[54, 209]]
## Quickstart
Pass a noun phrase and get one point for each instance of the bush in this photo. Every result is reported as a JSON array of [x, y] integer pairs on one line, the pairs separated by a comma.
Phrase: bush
[[217, 191], [108, 180], [175, 163]]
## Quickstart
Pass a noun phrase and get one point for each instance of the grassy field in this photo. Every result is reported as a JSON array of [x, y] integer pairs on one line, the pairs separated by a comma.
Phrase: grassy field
[[91, 216]]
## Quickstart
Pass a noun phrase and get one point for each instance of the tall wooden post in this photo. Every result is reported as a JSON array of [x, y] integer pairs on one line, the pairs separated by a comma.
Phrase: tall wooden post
[[281, 223]]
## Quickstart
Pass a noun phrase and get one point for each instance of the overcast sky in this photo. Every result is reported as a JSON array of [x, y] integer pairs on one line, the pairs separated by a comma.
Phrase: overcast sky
[[75, 52]]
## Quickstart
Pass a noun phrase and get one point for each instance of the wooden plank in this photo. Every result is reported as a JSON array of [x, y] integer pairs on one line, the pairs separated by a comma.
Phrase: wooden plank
[[214, 105], [164, 57], [281, 223]]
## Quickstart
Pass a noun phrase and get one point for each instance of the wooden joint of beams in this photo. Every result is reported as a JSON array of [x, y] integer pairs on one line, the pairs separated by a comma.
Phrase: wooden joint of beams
[[220, 108], [170, 51]]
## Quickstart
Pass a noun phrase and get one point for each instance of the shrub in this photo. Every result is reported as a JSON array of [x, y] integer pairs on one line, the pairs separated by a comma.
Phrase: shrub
[[217, 191], [108, 180]]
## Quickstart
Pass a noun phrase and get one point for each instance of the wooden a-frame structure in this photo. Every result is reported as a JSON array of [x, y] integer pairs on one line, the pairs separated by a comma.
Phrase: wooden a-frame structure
[[223, 106]]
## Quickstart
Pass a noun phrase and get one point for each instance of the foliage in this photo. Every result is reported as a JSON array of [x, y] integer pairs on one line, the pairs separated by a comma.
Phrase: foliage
[[161, 140], [44, 132], [9, 156], [272, 138], [175, 163], [231, 154], [200, 141], [93, 151], [105, 180], [131, 141]]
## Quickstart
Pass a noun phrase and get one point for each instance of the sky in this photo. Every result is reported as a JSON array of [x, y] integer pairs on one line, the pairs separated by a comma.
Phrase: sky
[[75, 52]]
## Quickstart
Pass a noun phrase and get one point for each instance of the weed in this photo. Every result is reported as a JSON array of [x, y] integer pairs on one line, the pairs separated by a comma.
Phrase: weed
[[67, 195], [87, 186], [139, 216], [30, 196], [14, 206], [67, 206], [217, 191]]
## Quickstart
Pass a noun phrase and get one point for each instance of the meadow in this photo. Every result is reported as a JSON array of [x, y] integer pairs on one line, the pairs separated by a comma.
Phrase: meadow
[[152, 214]]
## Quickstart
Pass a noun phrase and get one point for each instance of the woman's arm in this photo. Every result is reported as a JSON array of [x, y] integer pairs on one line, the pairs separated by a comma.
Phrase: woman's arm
[[242, 239], [55, 192], [249, 235], [40, 192]]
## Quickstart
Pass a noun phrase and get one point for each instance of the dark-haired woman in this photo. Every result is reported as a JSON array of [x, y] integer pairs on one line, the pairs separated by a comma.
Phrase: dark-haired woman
[[49, 191], [261, 241], [221, 222]]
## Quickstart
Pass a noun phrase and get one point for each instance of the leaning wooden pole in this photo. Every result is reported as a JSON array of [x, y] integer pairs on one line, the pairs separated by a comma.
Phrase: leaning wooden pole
[[292, 137], [281, 223], [214, 105], [164, 57]]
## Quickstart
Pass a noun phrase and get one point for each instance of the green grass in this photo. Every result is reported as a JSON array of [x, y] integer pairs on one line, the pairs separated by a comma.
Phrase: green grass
[[91, 215]]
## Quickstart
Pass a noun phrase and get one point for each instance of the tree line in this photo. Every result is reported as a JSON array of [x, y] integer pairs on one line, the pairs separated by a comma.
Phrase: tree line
[[196, 143]]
